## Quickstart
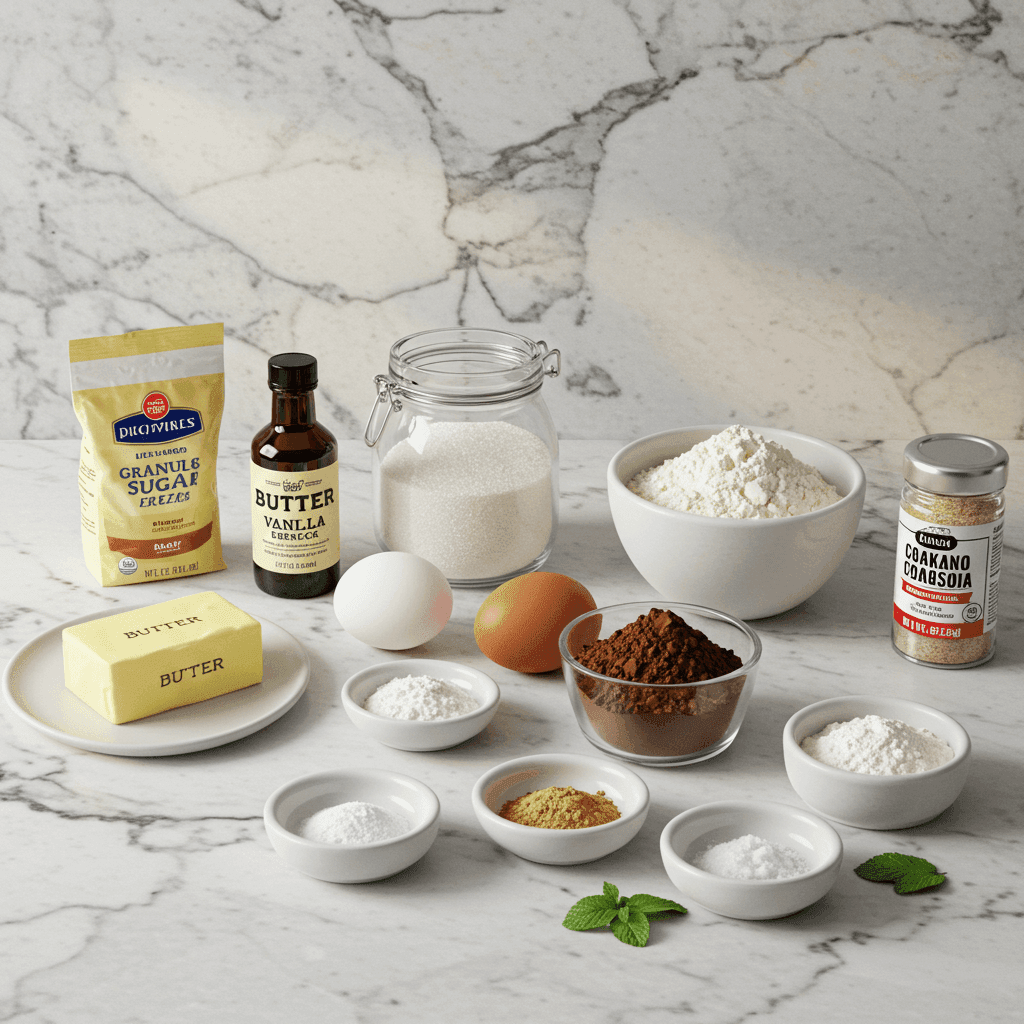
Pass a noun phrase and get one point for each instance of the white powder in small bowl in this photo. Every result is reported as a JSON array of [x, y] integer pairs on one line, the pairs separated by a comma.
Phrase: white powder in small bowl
[[420, 698], [877, 746], [353, 823], [753, 858]]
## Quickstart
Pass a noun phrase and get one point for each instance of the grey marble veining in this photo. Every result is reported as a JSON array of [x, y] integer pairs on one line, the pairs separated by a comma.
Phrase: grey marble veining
[[144, 890], [804, 215]]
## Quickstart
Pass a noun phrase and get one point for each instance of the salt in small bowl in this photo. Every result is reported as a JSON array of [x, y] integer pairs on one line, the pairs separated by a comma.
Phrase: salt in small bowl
[[418, 734], [290, 805], [689, 834]]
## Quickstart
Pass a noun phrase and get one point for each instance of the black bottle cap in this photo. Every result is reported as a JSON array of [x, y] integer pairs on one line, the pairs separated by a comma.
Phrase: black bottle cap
[[292, 371]]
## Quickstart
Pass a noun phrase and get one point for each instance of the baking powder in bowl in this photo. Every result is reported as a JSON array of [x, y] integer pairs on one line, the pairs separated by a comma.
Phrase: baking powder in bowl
[[420, 698], [353, 823], [877, 746]]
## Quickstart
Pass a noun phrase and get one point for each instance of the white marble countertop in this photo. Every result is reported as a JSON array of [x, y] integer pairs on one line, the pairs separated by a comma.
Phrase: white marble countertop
[[145, 889]]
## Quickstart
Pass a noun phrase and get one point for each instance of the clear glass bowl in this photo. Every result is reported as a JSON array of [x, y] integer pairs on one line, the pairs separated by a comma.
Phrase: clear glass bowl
[[693, 721]]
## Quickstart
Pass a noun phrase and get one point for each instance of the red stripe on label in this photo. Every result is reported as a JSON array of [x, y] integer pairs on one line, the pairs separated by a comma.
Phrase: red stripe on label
[[937, 596], [161, 547], [937, 630]]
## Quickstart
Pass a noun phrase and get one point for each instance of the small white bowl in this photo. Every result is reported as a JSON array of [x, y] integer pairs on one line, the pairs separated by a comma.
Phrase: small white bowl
[[290, 805], [875, 801], [523, 775], [689, 834], [413, 734], [749, 568]]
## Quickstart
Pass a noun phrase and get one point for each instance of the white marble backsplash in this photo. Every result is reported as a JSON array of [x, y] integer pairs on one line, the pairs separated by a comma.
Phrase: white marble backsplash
[[805, 215]]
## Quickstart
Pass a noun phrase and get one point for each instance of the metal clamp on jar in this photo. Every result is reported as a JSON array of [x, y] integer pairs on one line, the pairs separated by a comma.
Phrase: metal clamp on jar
[[465, 466]]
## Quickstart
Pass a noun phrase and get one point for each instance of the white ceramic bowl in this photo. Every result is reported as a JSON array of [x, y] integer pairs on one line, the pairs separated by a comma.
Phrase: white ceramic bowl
[[689, 834], [523, 775], [875, 801], [414, 734], [747, 567], [659, 739], [290, 805]]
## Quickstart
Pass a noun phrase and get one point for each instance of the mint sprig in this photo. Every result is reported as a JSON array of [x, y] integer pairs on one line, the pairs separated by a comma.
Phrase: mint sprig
[[628, 917], [911, 874]]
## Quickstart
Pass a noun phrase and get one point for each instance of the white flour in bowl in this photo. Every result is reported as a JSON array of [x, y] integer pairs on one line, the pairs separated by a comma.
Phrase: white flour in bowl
[[877, 746], [736, 474]]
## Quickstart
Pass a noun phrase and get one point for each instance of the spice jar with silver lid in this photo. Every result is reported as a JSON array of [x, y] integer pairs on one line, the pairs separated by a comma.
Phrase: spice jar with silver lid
[[465, 454], [948, 550]]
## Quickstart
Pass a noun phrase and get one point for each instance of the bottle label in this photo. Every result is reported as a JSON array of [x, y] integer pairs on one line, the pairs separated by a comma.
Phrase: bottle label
[[295, 526], [947, 578]]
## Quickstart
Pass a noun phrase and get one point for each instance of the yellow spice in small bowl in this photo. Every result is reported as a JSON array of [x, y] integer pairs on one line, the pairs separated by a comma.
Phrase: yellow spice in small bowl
[[560, 807]]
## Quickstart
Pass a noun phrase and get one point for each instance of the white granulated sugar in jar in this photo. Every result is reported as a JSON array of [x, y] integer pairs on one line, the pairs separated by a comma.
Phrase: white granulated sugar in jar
[[420, 698], [473, 498], [751, 857], [877, 746], [353, 823], [736, 474]]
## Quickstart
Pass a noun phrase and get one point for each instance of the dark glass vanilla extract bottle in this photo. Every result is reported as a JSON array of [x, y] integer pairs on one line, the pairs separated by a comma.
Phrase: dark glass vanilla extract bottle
[[296, 544]]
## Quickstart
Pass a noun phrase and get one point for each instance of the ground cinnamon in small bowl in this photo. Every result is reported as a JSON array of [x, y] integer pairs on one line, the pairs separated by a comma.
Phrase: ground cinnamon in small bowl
[[654, 712], [560, 807]]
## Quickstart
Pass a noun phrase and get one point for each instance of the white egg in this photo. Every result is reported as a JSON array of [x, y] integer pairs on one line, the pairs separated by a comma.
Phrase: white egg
[[393, 600]]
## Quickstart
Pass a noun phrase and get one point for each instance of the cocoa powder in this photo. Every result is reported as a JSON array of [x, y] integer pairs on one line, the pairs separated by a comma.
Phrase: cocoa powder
[[660, 715], [659, 647]]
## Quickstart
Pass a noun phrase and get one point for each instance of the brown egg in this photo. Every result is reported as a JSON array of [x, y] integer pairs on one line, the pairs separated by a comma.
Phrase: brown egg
[[518, 624]]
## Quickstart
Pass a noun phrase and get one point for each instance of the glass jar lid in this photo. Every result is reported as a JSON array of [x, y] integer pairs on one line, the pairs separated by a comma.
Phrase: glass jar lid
[[469, 365], [955, 464]]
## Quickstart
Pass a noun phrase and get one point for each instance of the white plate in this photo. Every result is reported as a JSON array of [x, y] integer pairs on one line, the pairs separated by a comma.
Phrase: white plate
[[34, 687]]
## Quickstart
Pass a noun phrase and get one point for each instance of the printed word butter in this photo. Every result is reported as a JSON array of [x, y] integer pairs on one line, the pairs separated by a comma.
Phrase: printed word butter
[[141, 662]]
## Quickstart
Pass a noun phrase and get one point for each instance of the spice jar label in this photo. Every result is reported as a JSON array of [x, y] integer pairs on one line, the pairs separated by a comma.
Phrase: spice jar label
[[295, 527], [947, 578]]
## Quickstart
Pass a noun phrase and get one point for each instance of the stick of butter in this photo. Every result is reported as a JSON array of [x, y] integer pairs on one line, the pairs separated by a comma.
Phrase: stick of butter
[[141, 662]]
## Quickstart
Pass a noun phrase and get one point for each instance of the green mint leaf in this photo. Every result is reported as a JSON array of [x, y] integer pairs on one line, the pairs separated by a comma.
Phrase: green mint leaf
[[911, 874], [917, 882], [581, 921], [590, 912], [888, 867], [654, 904], [596, 903], [628, 917], [633, 932]]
